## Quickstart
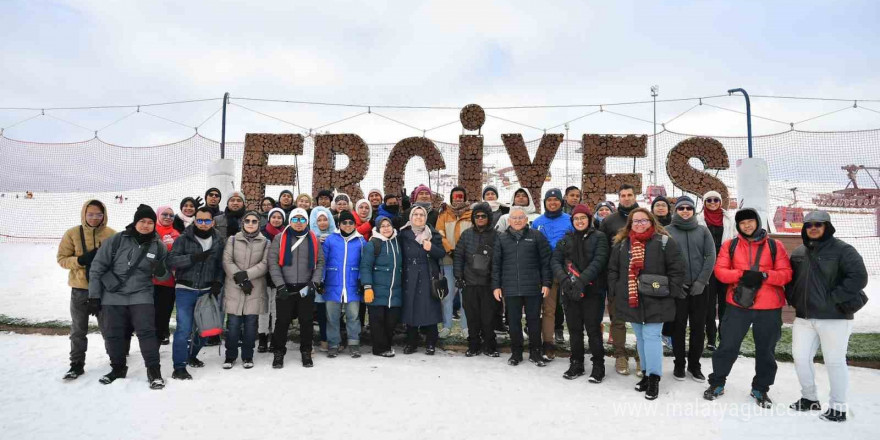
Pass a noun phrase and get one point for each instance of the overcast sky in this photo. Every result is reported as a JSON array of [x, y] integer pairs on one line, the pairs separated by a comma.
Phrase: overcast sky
[[443, 53]]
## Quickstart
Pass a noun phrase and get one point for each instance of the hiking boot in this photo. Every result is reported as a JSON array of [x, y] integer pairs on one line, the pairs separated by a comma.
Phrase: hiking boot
[[653, 387], [444, 333], [278, 360], [194, 362], [559, 336], [515, 359], [678, 372], [115, 373], [639, 371], [761, 398], [154, 376], [247, 363], [262, 344], [548, 352], [622, 366], [307, 360], [713, 392], [537, 358], [181, 374], [806, 405], [598, 373], [697, 375], [430, 350], [833, 415], [642, 385], [354, 351], [575, 370], [76, 370], [228, 363]]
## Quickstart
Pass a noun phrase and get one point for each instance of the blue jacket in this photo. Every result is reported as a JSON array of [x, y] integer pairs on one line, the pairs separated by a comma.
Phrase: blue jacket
[[384, 272], [342, 259], [553, 228]]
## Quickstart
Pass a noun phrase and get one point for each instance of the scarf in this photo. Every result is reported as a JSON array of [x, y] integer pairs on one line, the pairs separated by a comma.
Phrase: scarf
[[714, 218], [636, 263], [185, 220], [516, 234], [249, 236], [665, 220], [494, 204], [684, 225], [272, 231], [285, 258], [421, 233], [427, 205], [553, 214], [203, 234], [624, 212], [459, 208]]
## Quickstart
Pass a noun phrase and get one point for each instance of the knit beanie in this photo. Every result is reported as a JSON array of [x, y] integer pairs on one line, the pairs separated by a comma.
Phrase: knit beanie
[[144, 211]]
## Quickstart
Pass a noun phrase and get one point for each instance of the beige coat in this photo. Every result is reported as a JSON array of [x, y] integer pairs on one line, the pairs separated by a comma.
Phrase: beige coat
[[71, 246], [250, 256]]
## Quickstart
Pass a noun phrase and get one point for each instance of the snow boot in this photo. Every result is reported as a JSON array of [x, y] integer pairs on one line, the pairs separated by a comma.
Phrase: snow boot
[[181, 374], [833, 415], [678, 372], [247, 363], [278, 360], [713, 392], [559, 336], [473, 350], [115, 373], [575, 370], [409, 349], [642, 385], [307, 360], [639, 371], [515, 359], [194, 362], [154, 376], [537, 358], [262, 344], [806, 405], [548, 352], [653, 387], [697, 375], [622, 365], [430, 350], [762, 399], [598, 373], [76, 370]]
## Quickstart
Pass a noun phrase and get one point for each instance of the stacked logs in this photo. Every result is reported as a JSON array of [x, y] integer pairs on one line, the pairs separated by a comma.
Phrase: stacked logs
[[256, 174], [347, 180], [711, 153], [403, 151], [532, 174], [472, 117], [470, 166], [596, 148]]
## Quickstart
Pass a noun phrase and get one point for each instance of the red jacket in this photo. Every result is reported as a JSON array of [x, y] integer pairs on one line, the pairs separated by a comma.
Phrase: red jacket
[[167, 235], [365, 228], [772, 292]]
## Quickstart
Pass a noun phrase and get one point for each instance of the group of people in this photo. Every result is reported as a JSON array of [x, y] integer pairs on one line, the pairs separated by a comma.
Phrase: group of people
[[404, 259]]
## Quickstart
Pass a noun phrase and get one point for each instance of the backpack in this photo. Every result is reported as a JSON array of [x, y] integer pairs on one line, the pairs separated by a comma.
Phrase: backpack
[[771, 242], [207, 317]]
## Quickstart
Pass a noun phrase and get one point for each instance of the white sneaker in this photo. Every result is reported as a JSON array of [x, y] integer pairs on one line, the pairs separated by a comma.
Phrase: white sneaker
[[444, 333], [228, 364]]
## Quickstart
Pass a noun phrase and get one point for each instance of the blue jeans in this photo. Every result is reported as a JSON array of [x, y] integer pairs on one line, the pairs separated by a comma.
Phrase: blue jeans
[[234, 324], [180, 349], [650, 346], [447, 302], [352, 323]]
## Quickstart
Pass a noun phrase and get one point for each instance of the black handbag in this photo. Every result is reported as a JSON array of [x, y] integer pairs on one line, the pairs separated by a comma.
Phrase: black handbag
[[745, 296], [439, 286], [654, 285]]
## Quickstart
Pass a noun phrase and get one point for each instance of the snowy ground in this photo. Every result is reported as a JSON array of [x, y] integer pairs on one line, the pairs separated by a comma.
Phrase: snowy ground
[[34, 287], [416, 396]]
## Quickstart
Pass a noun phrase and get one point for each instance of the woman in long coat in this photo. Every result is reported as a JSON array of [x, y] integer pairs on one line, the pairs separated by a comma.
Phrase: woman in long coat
[[422, 249]]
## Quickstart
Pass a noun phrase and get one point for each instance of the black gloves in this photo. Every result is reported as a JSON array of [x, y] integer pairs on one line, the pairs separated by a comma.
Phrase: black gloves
[[94, 306], [215, 288], [752, 279], [697, 288], [319, 287], [247, 287], [283, 292], [240, 277], [199, 201], [158, 268], [86, 258], [201, 256], [459, 283]]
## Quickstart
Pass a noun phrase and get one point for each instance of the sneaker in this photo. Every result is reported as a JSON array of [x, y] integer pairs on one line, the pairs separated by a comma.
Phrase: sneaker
[[575, 370], [622, 366], [711, 347], [667, 341], [762, 399], [154, 376], [195, 363], [181, 374], [228, 363], [713, 392], [115, 373], [247, 363], [444, 333], [642, 385], [548, 351], [806, 405], [323, 347], [515, 359], [471, 352], [833, 416], [501, 329], [332, 352], [697, 375], [278, 360], [653, 387], [76, 370], [559, 336], [430, 350], [387, 354], [678, 373], [537, 358], [492, 352], [598, 373], [355, 351], [639, 371], [165, 341], [307, 360], [456, 315], [409, 349]]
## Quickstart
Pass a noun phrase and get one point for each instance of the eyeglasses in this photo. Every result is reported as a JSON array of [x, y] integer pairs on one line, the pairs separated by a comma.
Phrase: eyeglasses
[[163, 215], [204, 221], [713, 200], [298, 220], [580, 218], [814, 225], [385, 225], [346, 222], [685, 208], [641, 222], [96, 216], [481, 216], [215, 195], [251, 222]]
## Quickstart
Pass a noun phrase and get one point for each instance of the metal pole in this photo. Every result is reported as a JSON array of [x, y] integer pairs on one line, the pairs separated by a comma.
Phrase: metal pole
[[566, 155], [223, 128], [748, 115], [655, 90]]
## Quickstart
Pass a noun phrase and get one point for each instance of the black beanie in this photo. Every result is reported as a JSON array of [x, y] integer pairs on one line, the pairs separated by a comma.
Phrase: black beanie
[[144, 211], [389, 196], [213, 189], [490, 188], [345, 215]]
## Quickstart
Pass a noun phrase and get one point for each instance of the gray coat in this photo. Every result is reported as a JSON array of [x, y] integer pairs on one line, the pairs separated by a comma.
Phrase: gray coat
[[298, 271], [241, 254], [138, 288], [697, 248]]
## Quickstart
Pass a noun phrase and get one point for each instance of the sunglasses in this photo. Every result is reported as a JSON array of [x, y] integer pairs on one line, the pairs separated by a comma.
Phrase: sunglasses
[[814, 225], [215, 195], [251, 222], [346, 222], [641, 222], [168, 215], [298, 220], [713, 200], [684, 208], [483, 216], [99, 215], [204, 221]]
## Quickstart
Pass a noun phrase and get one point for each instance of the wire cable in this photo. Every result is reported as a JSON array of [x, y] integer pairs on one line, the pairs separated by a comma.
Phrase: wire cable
[[269, 116]]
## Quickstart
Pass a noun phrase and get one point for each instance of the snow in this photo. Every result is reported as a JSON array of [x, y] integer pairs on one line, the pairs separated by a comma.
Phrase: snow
[[415, 396]]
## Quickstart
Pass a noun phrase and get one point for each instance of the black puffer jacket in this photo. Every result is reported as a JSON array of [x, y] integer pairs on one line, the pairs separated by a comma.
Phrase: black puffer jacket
[[470, 244], [842, 275], [521, 267], [615, 222], [196, 275], [657, 262], [592, 270]]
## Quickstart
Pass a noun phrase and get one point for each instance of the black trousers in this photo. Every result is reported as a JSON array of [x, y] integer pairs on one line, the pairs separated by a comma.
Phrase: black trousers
[[79, 324], [117, 324], [560, 314], [693, 309], [299, 307], [382, 322], [481, 308], [532, 306], [586, 314], [163, 300], [766, 330], [716, 301], [430, 331]]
